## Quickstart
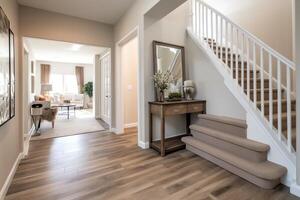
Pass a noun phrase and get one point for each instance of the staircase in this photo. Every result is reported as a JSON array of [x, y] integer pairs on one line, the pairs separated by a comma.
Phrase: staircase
[[224, 142], [262, 84], [261, 80]]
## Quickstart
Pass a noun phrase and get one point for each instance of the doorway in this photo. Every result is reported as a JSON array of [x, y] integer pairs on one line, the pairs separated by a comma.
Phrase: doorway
[[64, 75], [129, 65], [123, 91]]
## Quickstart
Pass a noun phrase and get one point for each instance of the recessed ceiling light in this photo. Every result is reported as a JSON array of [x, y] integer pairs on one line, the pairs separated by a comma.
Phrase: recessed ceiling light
[[76, 47]]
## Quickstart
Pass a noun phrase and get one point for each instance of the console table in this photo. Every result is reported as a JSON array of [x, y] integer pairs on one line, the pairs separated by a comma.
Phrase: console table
[[164, 109]]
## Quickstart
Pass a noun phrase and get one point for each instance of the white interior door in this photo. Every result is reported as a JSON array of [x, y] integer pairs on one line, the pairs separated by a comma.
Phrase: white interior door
[[105, 88]]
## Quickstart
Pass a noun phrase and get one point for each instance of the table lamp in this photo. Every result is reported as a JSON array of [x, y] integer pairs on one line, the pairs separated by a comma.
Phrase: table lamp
[[189, 89]]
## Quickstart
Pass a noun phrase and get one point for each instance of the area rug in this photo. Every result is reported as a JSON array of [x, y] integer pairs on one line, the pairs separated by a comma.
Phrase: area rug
[[81, 123]]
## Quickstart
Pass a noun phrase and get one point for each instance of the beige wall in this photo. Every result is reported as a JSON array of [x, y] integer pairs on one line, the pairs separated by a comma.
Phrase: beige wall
[[48, 25], [10, 136], [269, 20], [129, 59], [132, 18]]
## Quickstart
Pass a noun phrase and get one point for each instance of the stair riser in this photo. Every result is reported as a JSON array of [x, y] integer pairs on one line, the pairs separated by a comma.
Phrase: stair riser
[[251, 74], [226, 128], [266, 95], [228, 56], [275, 108], [266, 184], [232, 148], [284, 123], [219, 49], [258, 84]]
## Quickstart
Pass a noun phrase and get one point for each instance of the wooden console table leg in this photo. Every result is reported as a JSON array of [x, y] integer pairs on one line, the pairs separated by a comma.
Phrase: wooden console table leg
[[188, 123], [162, 132]]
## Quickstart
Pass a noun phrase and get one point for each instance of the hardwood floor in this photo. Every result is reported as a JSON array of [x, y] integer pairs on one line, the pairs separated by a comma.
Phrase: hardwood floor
[[107, 166]]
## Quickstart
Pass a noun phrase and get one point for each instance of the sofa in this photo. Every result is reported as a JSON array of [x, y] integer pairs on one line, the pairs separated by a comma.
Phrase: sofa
[[77, 99]]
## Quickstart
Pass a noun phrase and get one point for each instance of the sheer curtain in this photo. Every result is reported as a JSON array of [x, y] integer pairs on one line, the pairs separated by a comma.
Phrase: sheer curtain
[[45, 73], [79, 71]]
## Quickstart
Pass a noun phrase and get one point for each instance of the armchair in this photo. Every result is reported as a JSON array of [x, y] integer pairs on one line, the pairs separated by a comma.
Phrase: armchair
[[49, 114]]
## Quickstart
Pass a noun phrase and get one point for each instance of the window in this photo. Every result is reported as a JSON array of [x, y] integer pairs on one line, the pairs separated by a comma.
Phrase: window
[[64, 83]]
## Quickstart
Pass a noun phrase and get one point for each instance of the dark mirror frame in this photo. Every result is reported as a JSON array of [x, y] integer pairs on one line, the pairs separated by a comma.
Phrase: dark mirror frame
[[158, 43]]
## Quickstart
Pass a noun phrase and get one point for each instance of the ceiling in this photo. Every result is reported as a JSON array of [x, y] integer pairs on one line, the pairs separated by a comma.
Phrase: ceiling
[[55, 51], [106, 11]]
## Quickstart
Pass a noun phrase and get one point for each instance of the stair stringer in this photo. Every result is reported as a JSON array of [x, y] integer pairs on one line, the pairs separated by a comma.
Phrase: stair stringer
[[258, 128]]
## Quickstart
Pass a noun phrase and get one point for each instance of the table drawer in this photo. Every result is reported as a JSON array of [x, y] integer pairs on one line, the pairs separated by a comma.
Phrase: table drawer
[[195, 107], [175, 109]]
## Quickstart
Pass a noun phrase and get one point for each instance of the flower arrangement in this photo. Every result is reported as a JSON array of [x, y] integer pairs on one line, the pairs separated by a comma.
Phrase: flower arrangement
[[161, 82]]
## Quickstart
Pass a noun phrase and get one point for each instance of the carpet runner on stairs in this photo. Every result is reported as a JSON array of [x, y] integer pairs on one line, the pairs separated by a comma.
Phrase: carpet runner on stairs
[[224, 142]]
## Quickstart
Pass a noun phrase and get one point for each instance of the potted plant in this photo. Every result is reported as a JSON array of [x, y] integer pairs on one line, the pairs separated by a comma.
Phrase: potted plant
[[161, 82], [88, 90]]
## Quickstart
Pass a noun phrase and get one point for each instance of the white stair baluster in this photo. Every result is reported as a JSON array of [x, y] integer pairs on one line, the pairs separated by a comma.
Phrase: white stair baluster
[[194, 15], [262, 94], [242, 60], [289, 109], [270, 90], [227, 43], [236, 56], [279, 113], [231, 53], [221, 38], [248, 67], [254, 75], [198, 19], [217, 35]]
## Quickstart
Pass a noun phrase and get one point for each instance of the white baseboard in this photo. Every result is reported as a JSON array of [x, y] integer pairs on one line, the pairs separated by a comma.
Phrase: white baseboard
[[10, 177], [116, 131], [27, 142], [131, 125], [144, 145], [295, 189]]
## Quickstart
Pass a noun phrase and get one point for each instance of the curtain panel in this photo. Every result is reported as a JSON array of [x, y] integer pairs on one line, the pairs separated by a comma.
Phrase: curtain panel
[[79, 71], [45, 74]]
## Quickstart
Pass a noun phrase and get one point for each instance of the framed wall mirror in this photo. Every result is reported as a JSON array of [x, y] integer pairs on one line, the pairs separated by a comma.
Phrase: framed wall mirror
[[170, 57]]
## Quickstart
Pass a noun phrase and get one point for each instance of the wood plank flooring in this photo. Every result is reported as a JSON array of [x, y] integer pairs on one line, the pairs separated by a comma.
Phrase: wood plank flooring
[[100, 166]]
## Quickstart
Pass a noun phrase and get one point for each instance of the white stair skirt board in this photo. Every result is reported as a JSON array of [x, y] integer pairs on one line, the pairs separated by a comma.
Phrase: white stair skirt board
[[295, 189], [10, 177], [131, 125], [257, 129]]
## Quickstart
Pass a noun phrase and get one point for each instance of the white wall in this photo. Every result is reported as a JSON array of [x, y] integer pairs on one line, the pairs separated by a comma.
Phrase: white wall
[[63, 68], [210, 85], [129, 59]]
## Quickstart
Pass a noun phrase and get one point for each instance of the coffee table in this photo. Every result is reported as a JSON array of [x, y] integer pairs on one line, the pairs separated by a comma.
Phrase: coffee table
[[68, 106]]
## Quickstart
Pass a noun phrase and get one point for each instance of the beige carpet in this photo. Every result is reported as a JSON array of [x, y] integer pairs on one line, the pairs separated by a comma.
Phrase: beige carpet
[[83, 122]]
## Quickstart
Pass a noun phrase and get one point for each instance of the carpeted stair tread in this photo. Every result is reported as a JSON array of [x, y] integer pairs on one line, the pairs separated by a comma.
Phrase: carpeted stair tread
[[225, 120], [264, 170], [242, 142]]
